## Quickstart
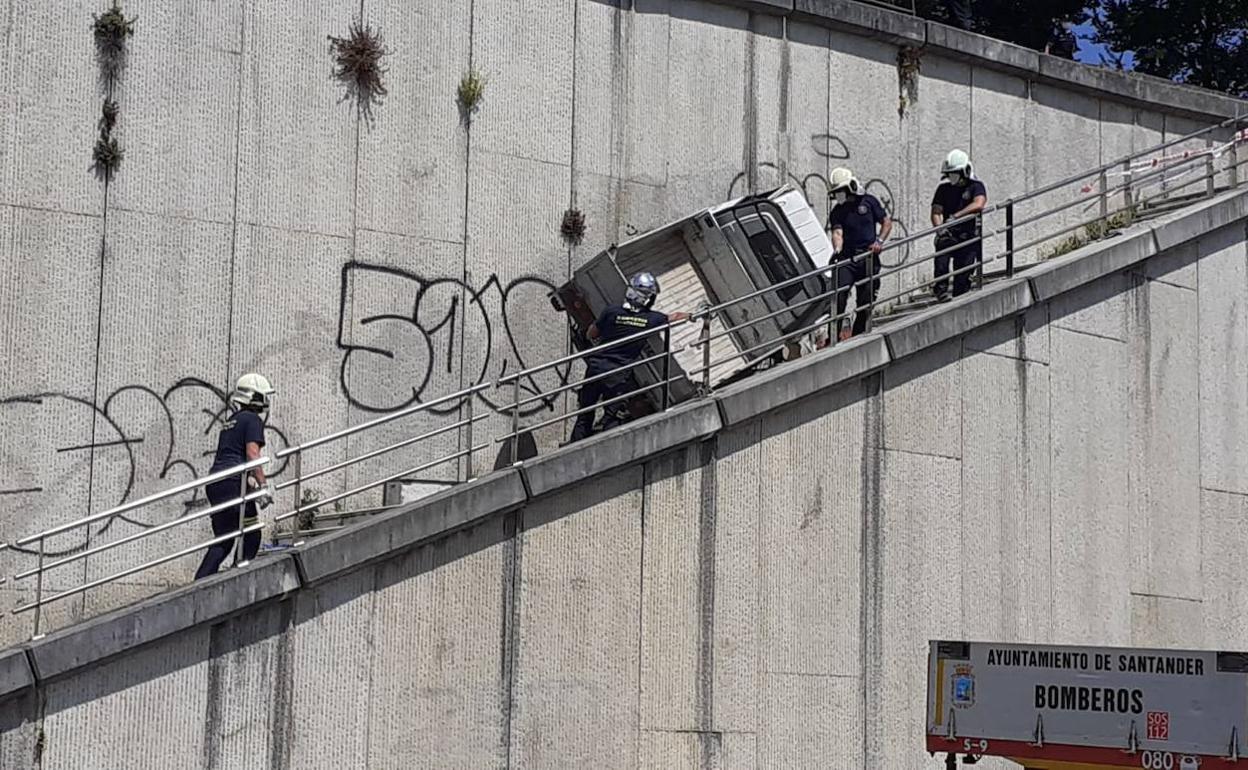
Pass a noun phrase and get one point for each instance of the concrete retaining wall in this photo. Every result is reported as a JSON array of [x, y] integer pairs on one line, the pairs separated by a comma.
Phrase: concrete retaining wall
[[257, 224], [749, 581]]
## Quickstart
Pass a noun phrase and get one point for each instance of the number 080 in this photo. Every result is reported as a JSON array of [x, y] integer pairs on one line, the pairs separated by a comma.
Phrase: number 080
[[1157, 760]]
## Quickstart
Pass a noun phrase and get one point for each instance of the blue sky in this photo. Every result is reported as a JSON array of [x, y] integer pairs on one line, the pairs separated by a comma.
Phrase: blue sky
[[1091, 52]]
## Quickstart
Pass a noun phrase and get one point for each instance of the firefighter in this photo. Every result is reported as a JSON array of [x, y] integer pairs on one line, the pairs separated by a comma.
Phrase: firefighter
[[240, 440], [959, 195], [635, 315], [859, 225]]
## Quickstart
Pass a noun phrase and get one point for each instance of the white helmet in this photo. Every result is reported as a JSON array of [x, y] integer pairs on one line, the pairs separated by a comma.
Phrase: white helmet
[[843, 180], [958, 162], [252, 391]]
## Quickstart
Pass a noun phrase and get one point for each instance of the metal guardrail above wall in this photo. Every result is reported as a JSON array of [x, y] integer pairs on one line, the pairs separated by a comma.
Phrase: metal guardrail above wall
[[1110, 196]]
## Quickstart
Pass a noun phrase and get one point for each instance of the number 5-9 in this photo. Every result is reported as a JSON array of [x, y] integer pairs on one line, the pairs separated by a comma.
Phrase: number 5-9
[[970, 746]]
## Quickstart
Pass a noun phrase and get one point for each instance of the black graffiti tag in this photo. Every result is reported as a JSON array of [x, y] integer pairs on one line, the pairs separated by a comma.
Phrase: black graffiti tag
[[407, 338]]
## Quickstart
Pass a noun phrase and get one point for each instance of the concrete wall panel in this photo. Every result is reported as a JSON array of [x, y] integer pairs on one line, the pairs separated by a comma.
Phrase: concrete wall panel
[[289, 106], [1007, 585], [738, 616], [1090, 516], [1164, 470], [119, 714], [527, 111], [161, 373], [1224, 536], [412, 157], [1057, 116], [54, 101], [921, 535], [331, 663], [179, 109], [438, 688], [677, 593], [923, 402], [1223, 346], [810, 521], [577, 616], [998, 140], [1166, 622], [811, 721]]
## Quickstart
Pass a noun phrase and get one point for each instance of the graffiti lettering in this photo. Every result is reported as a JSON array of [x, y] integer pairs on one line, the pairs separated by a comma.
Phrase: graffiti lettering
[[406, 337], [144, 439], [816, 186]]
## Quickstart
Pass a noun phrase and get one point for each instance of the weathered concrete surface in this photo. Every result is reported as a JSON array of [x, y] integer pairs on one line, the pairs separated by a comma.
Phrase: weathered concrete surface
[[702, 592], [260, 221]]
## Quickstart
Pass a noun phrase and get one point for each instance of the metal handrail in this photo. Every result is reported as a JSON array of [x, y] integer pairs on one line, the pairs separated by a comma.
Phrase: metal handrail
[[228, 473], [462, 417]]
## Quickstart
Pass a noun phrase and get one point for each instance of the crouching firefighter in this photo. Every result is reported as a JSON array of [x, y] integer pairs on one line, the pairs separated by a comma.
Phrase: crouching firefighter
[[610, 363], [240, 440], [856, 245], [959, 195]]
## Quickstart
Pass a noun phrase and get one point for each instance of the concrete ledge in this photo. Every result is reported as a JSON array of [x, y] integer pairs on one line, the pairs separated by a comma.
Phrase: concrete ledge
[[383, 535], [15, 673], [968, 312], [635, 441], [1192, 222], [785, 384], [968, 46], [162, 615], [772, 7], [869, 20], [1093, 261]]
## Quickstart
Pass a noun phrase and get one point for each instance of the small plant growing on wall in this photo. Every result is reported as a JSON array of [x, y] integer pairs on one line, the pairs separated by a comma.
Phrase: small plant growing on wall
[[471, 92], [358, 66], [573, 227], [111, 29], [111, 32], [909, 63]]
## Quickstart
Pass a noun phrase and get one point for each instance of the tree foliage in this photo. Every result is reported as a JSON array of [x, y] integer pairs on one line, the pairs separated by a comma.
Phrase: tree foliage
[[1028, 23], [1201, 42]]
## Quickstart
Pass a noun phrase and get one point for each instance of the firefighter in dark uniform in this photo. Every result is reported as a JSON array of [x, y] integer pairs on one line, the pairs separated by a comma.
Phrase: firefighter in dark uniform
[[617, 322], [240, 440], [959, 195], [859, 225]]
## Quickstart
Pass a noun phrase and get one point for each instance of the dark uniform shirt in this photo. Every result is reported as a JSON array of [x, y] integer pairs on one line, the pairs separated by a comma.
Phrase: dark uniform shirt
[[242, 428], [618, 322], [951, 198], [857, 217]]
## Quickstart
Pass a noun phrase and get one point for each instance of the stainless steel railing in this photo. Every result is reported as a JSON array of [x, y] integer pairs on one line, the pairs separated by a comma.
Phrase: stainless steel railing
[[1111, 195]]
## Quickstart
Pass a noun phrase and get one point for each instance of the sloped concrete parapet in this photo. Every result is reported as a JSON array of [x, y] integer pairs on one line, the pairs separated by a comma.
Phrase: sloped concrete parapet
[[785, 384], [435, 515], [968, 312], [773, 7], [866, 19], [968, 46], [636, 441], [15, 673], [163, 615], [1091, 262], [1188, 223]]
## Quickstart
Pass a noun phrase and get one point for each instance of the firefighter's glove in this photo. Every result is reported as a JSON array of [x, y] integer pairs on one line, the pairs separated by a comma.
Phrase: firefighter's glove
[[945, 240], [265, 499]]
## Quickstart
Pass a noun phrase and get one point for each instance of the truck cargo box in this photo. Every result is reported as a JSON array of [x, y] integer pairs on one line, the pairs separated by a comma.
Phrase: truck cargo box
[[706, 259]]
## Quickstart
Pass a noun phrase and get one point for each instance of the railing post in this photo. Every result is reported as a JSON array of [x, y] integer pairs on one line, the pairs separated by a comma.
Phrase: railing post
[[298, 485], [242, 514], [515, 421], [38, 592], [468, 457], [1128, 192], [1009, 238], [705, 341], [871, 291], [1240, 135], [667, 367], [1211, 182], [1103, 181], [834, 320]]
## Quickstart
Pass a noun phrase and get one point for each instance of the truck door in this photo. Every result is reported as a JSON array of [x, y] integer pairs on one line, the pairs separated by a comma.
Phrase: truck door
[[771, 253]]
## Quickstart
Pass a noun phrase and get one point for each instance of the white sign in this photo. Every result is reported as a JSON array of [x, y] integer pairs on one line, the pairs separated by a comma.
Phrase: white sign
[[1114, 707]]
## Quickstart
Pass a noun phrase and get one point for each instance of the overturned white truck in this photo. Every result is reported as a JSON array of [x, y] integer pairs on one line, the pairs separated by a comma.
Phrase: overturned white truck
[[714, 256], [1082, 708]]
